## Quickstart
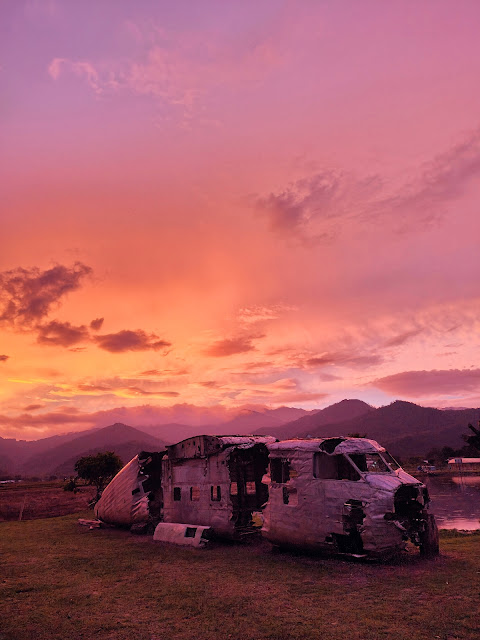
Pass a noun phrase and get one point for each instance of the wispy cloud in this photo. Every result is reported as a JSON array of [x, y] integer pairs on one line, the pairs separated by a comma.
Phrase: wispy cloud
[[344, 358], [177, 69], [312, 209], [82, 69], [33, 407], [403, 337], [232, 346], [4, 358], [417, 384], [127, 340], [262, 313], [425, 200]]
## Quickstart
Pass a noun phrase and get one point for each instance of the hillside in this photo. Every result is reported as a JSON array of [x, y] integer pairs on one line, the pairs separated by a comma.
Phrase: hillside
[[404, 427], [308, 424], [247, 421], [13, 453], [112, 438]]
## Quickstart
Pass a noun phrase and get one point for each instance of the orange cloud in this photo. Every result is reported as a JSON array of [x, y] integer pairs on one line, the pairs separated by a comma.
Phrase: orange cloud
[[232, 346], [127, 340], [61, 334]]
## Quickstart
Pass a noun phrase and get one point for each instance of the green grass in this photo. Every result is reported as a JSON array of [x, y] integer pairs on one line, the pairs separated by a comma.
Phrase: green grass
[[59, 580]]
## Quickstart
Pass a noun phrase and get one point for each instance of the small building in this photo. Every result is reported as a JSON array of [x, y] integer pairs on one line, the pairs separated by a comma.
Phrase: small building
[[464, 464]]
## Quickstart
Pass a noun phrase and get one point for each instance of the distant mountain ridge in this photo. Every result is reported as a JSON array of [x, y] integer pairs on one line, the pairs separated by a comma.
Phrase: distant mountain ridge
[[403, 427], [304, 426], [112, 438]]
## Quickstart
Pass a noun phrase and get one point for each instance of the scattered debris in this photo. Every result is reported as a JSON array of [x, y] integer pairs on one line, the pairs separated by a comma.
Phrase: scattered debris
[[91, 524], [191, 535]]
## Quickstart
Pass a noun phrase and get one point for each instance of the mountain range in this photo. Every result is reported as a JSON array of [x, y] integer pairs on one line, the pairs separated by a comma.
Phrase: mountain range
[[403, 427]]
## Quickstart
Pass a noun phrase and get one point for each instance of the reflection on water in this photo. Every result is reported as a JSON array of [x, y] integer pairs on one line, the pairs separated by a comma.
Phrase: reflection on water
[[455, 500]]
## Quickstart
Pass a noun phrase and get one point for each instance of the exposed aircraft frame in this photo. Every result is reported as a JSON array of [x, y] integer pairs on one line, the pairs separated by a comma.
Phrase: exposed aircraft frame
[[344, 495]]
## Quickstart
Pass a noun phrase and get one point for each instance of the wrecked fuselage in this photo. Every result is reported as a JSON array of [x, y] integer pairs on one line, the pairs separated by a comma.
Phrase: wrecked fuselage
[[217, 481], [214, 481], [346, 495]]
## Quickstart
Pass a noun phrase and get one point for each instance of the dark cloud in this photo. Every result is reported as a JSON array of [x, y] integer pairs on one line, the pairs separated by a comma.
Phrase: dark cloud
[[164, 372], [4, 358], [344, 359], [423, 383], [27, 295], [142, 392], [96, 324], [209, 384], [292, 210], [33, 407], [61, 334], [231, 346], [127, 340], [400, 339]]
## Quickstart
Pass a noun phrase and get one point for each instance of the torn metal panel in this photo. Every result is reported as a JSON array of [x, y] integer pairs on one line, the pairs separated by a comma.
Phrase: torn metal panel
[[192, 535], [343, 494], [216, 481], [132, 496]]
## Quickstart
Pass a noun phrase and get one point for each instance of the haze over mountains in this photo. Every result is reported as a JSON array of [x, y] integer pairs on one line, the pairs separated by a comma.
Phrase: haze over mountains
[[403, 427]]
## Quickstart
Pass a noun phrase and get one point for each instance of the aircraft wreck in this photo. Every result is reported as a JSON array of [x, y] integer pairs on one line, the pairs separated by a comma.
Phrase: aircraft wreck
[[343, 495]]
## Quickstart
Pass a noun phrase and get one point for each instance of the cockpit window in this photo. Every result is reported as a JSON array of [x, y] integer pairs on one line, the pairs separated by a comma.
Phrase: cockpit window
[[392, 463], [370, 462], [333, 467]]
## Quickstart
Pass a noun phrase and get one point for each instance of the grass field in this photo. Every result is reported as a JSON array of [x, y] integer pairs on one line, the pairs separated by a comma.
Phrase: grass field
[[59, 580], [41, 500]]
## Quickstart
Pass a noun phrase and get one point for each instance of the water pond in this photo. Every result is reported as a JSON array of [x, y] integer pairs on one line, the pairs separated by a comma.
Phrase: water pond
[[455, 500]]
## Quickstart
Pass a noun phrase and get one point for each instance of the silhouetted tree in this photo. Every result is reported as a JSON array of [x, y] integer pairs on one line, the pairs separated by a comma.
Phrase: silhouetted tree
[[98, 469], [473, 441]]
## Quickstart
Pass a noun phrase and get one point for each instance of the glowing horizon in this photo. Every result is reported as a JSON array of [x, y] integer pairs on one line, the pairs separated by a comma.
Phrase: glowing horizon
[[220, 206]]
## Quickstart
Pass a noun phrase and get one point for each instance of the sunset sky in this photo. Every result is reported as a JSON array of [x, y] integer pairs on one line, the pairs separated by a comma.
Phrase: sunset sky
[[208, 205]]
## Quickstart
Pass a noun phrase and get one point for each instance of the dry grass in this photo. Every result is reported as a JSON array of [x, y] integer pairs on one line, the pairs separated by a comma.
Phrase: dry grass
[[60, 580], [41, 500]]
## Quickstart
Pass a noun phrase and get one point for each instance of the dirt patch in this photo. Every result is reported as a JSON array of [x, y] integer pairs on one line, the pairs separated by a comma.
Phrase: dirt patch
[[41, 501]]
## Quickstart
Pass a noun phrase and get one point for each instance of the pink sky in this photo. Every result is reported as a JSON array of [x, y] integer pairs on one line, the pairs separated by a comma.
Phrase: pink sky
[[267, 203]]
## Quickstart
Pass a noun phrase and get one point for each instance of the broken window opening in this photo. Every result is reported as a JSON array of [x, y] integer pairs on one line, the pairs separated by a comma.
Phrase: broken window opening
[[177, 494], [290, 496], [370, 462], [251, 488], [195, 494], [280, 470], [216, 493], [247, 492], [190, 532], [390, 460], [333, 467]]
